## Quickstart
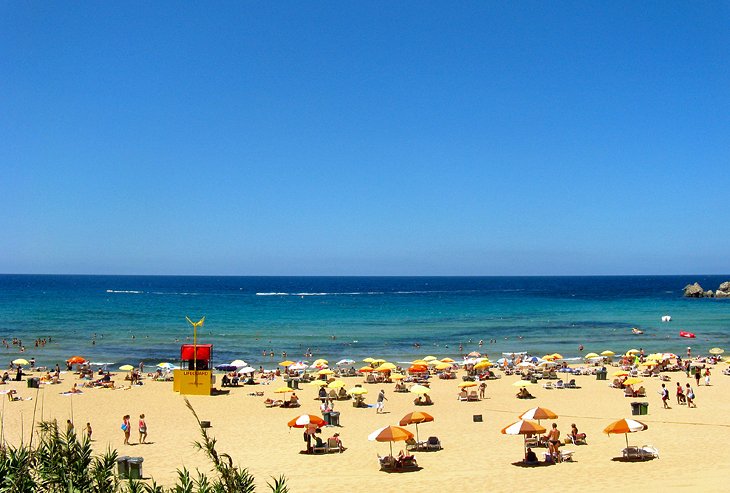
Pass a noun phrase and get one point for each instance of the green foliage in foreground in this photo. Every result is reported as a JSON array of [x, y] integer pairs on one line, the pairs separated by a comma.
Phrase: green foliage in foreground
[[60, 463]]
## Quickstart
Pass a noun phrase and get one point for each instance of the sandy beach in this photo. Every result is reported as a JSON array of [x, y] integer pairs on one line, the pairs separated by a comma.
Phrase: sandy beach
[[475, 454]]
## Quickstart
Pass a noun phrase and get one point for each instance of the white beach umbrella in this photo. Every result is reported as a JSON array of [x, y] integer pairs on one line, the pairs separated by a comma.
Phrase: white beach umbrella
[[346, 361], [247, 369], [238, 363]]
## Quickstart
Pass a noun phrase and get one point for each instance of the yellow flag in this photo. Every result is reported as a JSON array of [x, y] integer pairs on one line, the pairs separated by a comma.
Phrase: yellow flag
[[195, 324]]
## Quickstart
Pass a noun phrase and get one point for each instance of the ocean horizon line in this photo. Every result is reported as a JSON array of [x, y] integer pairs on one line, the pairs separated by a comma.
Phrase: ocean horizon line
[[370, 276]]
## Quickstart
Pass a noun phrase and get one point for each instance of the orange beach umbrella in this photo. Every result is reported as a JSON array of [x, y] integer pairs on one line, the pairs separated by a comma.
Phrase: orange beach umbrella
[[305, 420], [414, 418], [523, 427], [390, 434], [538, 413], [76, 360], [625, 426]]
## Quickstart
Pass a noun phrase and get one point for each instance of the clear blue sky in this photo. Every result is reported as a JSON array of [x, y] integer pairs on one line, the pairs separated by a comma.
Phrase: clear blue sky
[[365, 138]]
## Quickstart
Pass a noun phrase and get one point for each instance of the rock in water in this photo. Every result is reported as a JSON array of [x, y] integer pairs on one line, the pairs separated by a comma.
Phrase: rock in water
[[694, 290], [723, 291]]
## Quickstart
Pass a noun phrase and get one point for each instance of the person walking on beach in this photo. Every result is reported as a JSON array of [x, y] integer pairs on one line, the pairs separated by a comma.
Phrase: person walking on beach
[[89, 431], [142, 429], [698, 374], [681, 399], [690, 397], [707, 377], [665, 396], [380, 404], [126, 428]]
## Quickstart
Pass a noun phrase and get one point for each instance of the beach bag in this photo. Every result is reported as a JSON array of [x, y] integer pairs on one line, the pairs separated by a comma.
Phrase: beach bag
[[124, 427]]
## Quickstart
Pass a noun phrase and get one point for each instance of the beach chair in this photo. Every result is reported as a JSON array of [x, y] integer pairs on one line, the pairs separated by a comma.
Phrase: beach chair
[[463, 395], [547, 385], [320, 447], [370, 378], [559, 384], [640, 392], [333, 445], [473, 396], [578, 441], [640, 453], [433, 443], [386, 462]]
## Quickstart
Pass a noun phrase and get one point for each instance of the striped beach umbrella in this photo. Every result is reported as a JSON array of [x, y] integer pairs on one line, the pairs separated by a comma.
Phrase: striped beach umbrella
[[625, 426]]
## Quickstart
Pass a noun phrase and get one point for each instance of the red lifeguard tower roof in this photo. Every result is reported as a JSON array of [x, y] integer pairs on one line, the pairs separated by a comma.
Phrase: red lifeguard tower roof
[[187, 352]]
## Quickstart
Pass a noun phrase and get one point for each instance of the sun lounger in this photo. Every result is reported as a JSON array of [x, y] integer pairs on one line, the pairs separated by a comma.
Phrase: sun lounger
[[473, 396], [571, 384], [559, 384], [547, 385], [433, 443], [563, 456], [641, 453], [320, 448], [412, 444]]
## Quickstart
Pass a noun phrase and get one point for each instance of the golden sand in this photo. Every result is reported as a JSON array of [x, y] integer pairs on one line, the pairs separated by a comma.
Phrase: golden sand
[[692, 442]]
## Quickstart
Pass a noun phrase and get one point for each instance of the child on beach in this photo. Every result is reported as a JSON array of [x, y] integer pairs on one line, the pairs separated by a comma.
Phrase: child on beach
[[142, 429], [665, 396], [126, 428]]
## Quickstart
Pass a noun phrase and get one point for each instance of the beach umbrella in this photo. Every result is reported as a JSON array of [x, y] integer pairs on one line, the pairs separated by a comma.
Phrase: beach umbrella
[[238, 363], [377, 361], [126, 367], [417, 369], [357, 391], [20, 361], [386, 367], [344, 362], [429, 358], [76, 360], [286, 363], [282, 390], [415, 418], [318, 383], [557, 356], [625, 426], [305, 420], [419, 362], [397, 376], [591, 355], [632, 351], [390, 434], [325, 371], [526, 364], [649, 363], [447, 360], [419, 389], [632, 381], [443, 366], [538, 413], [464, 385], [482, 364], [620, 373], [474, 354], [165, 366], [525, 428], [337, 384], [298, 366], [366, 369], [716, 350], [368, 360], [225, 367], [608, 353], [320, 362], [247, 369]]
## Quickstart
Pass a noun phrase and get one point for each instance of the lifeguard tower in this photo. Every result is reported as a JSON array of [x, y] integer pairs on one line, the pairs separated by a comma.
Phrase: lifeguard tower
[[195, 376]]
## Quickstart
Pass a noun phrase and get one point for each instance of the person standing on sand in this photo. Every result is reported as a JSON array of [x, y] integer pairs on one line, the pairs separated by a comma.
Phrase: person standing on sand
[[380, 404], [89, 431], [698, 374], [142, 429], [126, 428], [707, 377]]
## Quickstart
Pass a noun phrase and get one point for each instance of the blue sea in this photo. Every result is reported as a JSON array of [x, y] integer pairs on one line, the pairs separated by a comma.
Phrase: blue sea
[[128, 319]]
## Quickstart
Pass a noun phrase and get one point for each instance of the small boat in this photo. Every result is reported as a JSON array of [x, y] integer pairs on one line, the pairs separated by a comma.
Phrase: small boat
[[636, 331], [688, 335], [666, 318]]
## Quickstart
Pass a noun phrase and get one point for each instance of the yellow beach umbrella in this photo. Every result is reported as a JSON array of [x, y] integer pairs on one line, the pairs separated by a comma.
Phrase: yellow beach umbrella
[[126, 367], [386, 367], [286, 363], [464, 385], [447, 360], [632, 381], [378, 361], [632, 351], [591, 355], [482, 364], [429, 358], [608, 353], [419, 389], [368, 360], [20, 361], [325, 371], [548, 357], [557, 356], [337, 384], [318, 383], [420, 362], [320, 362], [716, 350], [366, 369], [357, 391], [620, 373], [282, 390], [443, 366], [649, 363], [397, 376]]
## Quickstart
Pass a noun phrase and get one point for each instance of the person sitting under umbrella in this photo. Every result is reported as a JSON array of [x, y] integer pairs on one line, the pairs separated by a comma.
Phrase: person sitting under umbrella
[[530, 457]]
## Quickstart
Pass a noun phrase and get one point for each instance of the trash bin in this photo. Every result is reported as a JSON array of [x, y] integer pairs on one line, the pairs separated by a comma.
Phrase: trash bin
[[635, 408], [335, 418], [327, 416], [294, 383], [644, 408], [135, 467], [34, 383], [123, 467], [601, 375]]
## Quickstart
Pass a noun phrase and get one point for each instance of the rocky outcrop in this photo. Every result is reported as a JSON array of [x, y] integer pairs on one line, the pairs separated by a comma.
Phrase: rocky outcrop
[[696, 291]]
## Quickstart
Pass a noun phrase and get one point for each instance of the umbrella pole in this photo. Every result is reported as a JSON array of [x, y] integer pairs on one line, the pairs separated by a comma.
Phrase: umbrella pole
[[627, 439], [391, 449], [418, 442]]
